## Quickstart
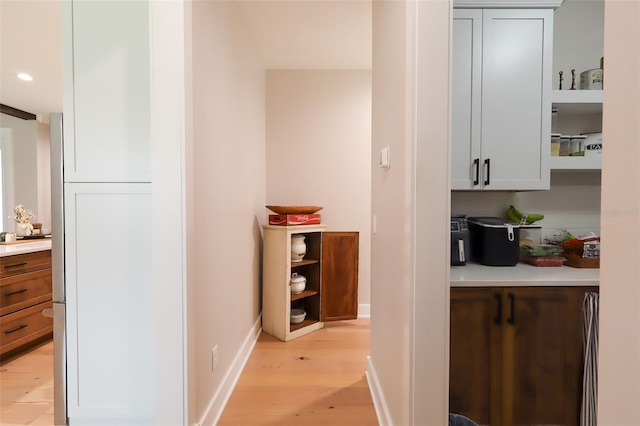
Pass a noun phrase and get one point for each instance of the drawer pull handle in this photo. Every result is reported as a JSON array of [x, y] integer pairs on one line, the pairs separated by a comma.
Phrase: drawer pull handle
[[476, 167], [18, 328], [488, 163], [512, 319], [15, 265], [11, 293]]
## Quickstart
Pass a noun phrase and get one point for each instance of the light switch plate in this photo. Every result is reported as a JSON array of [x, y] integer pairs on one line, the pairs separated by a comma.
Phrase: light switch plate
[[384, 158]]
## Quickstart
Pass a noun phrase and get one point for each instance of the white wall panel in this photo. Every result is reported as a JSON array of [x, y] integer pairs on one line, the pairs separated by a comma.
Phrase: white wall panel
[[619, 346], [109, 106], [109, 304], [578, 39], [319, 150], [224, 201]]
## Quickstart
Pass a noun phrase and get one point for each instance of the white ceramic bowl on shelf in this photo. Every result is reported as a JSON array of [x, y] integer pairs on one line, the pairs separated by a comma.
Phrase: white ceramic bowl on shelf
[[297, 316], [298, 283]]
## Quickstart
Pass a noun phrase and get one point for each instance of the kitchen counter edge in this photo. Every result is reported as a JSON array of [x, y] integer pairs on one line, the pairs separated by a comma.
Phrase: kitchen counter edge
[[522, 275], [25, 247]]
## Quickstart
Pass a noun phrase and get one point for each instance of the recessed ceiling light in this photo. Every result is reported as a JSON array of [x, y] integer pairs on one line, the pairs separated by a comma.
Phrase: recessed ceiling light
[[25, 77]]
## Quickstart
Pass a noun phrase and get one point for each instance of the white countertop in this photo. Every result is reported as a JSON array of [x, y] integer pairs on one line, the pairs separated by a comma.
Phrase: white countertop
[[522, 275], [25, 247]]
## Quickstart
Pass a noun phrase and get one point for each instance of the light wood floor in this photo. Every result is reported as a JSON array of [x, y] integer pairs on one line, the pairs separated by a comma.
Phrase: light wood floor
[[317, 379], [26, 388]]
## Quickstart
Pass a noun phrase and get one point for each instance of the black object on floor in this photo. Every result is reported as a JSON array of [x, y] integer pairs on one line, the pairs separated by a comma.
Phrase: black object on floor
[[460, 420]]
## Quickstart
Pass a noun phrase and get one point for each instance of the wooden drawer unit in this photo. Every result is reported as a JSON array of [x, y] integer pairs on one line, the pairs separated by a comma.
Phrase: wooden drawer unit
[[24, 326], [25, 291], [23, 263], [21, 291]]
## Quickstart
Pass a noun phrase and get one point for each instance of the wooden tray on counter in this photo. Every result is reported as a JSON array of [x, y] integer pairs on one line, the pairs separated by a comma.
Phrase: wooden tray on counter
[[578, 261]]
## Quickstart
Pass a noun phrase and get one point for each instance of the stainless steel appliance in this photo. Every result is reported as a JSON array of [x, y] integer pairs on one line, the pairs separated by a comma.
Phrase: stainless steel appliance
[[459, 240], [57, 255]]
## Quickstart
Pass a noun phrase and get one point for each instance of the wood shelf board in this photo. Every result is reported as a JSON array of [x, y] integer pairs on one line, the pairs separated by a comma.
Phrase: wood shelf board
[[303, 263], [305, 323], [305, 293]]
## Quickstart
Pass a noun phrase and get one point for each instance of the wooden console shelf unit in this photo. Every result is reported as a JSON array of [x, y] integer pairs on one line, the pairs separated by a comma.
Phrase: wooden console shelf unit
[[330, 267], [278, 267]]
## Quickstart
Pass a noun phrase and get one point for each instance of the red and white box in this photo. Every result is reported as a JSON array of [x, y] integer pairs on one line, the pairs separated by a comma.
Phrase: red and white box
[[294, 219]]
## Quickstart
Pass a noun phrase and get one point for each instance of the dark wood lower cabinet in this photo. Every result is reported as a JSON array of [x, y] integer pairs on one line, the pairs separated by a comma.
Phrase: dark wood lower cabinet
[[517, 354], [474, 385], [339, 276]]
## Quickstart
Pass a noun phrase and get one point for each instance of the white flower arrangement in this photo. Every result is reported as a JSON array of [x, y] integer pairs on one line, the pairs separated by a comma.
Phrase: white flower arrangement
[[22, 215]]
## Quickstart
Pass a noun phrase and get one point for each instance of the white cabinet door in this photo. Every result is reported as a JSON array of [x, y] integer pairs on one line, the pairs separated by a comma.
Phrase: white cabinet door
[[107, 91], [110, 345], [501, 120], [516, 98], [466, 95]]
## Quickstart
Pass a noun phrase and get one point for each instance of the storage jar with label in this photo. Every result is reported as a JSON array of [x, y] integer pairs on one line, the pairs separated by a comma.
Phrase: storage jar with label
[[555, 144], [565, 141], [576, 145]]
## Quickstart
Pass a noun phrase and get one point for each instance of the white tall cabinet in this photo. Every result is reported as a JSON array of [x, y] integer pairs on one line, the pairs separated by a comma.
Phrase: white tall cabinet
[[108, 203], [501, 96], [107, 117], [109, 308]]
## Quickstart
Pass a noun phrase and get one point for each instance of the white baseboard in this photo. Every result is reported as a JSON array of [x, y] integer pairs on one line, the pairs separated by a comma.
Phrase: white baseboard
[[379, 403], [219, 400], [364, 311]]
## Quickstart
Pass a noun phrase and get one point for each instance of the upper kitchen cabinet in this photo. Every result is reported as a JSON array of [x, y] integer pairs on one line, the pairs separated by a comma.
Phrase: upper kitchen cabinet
[[107, 91], [501, 91]]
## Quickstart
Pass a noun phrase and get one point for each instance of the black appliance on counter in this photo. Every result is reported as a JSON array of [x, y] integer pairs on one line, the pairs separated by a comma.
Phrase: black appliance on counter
[[494, 241], [459, 240]]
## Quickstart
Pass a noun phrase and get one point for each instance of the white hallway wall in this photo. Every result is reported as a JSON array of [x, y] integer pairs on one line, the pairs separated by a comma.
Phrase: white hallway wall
[[410, 271], [225, 201], [44, 176], [19, 146], [319, 151], [391, 249], [619, 346]]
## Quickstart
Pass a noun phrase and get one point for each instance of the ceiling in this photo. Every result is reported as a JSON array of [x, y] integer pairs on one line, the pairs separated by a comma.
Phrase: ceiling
[[289, 34], [30, 42]]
